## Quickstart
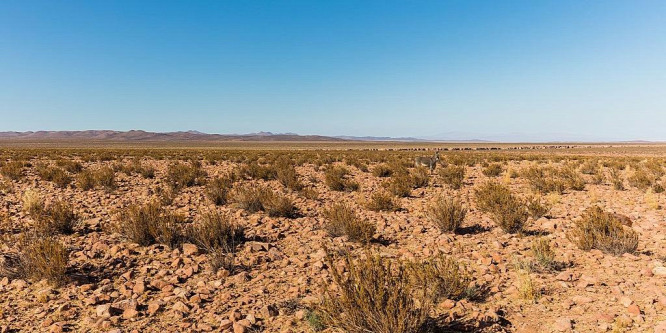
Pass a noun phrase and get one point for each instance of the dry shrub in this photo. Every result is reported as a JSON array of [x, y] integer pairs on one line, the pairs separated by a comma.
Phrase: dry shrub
[[57, 218], [217, 190], [181, 175], [70, 166], [286, 174], [85, 180], [543, 253], [527, 287], [572, 178], [537, 207], [309, 193], [400, 185], [597, 229], [544, 179], [382, 170], [165, 195], [376, 295], [33, 203], [382, 201], [42, 258], [445, 278], [150, 223], [147, 172], [216, 232], [57, 175], [253, 198], [12, 170], [254, 170], [105, 177], [453, 176], [590, 167], [642, 179], [278, 205], [6, 186], [337, 179], [342, 220], [446, 213], [248, 197], [420, 177], [492, 170], [508, 212]]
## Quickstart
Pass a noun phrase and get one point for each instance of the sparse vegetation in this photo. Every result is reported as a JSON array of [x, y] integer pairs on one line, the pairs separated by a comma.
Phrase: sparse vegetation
[[342, 220], [453, 176], [508, 212], [337, 179], [446, 213], [150, 223], [382, 201], [597, 229]]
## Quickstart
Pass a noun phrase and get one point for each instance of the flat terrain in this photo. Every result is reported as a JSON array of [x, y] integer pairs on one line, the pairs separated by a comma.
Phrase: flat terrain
[[273, 280]]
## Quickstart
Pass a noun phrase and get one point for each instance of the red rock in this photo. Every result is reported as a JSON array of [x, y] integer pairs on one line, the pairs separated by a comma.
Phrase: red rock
[[634, 310], [190, 249], [563, 324]]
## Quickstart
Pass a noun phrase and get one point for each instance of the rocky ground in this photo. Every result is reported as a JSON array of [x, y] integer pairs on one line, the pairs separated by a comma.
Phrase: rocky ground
[[116, 286]]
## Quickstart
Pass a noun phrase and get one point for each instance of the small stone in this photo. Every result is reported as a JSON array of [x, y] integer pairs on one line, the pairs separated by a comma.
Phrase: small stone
[[659, 271], [190, 249], [634, 310], [153, 307], [269, 311], [563, 324]]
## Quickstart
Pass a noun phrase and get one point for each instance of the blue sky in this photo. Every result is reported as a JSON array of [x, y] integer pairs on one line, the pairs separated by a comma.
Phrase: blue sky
[[507, 70]]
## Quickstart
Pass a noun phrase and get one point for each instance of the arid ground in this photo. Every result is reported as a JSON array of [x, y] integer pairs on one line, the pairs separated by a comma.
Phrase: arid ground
[[332, 238]]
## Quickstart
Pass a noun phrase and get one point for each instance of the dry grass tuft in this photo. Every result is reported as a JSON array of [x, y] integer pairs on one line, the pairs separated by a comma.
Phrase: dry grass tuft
[[57, 218], [216, 232], [342, 220], [537, 207], [382, 201], [337, 179], [181, 175], [445, 278], [382, 170], [376, 295], [453, 176], [446, 213], [12, 170], [543, 253], [508, 212], [32, 201], [150, 223], [597, 229], [492, 170], [42, 258], [217, 190]]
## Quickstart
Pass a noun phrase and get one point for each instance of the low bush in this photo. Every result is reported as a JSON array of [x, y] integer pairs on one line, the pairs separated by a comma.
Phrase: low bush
[[508, 212], [376, 295], [453, 176], [150, 223], [382, 201], [57, 218], [218, 189], [337, 179], [341, 220], [216, 232], [492, 170], [447, 214], [597, 229]]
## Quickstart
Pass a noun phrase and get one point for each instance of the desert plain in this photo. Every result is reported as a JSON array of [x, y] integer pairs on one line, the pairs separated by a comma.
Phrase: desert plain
[[317, 237]]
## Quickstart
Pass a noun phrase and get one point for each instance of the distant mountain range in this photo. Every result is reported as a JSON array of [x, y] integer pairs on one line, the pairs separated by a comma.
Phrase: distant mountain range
[[139, 135]]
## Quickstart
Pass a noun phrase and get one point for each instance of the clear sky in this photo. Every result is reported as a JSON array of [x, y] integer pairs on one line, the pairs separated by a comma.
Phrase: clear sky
[[530, 70]]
